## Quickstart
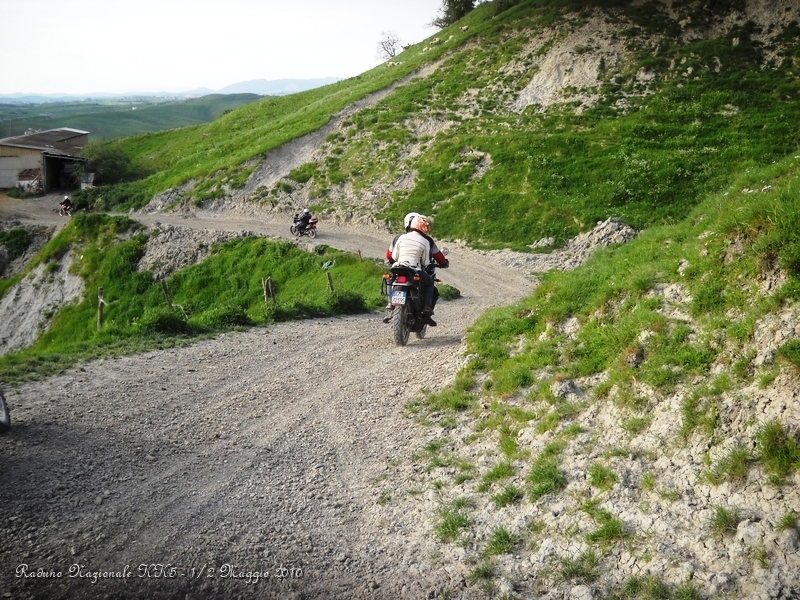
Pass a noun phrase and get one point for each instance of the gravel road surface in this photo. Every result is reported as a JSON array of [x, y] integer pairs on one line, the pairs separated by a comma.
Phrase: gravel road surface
[[271, 463]]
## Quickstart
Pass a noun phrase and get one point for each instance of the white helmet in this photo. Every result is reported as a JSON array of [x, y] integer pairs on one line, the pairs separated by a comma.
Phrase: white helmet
[[408, 218], [306, 211], [66, 197]]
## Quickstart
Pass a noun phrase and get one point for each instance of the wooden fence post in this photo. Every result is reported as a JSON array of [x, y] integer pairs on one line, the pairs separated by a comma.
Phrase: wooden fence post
[[166, 294], [100, 303], [330, 281], [269, 292]]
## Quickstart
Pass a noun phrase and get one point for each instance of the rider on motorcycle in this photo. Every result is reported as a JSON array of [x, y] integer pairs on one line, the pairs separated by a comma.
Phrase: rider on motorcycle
[[66, 203], [414, 249], [437, 255], [304, 220]]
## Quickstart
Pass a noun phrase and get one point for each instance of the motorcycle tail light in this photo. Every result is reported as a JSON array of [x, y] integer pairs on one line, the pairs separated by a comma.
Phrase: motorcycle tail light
[[401, 279]]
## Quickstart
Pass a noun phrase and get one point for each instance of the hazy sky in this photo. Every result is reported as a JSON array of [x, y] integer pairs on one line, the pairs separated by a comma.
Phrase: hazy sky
[[119, 46]]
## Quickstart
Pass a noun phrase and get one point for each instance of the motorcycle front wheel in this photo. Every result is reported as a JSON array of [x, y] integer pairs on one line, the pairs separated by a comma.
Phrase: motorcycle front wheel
[[5, 416], [421, 333], [400, 325], [293, 229]]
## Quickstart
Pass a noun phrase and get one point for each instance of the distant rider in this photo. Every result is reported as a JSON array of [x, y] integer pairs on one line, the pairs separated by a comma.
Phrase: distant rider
[[66, 203], [304, 220], [413, 249]]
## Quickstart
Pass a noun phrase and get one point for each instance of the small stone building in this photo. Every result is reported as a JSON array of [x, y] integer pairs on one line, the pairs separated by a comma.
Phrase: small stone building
[[47, 158]]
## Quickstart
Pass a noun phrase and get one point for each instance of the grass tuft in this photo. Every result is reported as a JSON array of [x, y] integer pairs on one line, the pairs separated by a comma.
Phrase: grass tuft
[[725, 520], [732, 467], [452, 522], [778, 450]]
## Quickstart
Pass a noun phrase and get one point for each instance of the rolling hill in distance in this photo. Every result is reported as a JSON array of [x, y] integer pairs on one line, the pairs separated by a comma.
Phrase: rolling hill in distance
[[109, 116]]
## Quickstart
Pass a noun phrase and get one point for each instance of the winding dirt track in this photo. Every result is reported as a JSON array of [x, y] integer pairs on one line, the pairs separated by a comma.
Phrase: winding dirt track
[[273, 463]]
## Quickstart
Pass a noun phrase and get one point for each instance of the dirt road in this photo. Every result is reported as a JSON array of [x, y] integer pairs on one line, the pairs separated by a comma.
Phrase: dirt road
[[274, 463]]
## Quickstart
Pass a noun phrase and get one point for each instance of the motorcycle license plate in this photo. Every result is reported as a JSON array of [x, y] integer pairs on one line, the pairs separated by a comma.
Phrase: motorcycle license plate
[[398, 298]]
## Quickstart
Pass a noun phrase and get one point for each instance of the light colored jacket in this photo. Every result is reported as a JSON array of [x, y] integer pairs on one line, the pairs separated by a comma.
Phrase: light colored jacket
[[412, 249]]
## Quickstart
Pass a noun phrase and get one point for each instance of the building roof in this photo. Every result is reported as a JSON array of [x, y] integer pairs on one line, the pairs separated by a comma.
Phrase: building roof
[[64, 141]]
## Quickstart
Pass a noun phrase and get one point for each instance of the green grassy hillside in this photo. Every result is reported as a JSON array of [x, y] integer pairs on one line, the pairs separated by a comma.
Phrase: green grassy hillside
[[684, 111], [224, 291], [111, 119]]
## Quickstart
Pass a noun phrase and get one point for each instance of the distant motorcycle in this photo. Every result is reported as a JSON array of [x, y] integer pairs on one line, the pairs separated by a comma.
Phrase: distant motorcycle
[[310, 230], [403, 286], [5, 417], [65, 210]]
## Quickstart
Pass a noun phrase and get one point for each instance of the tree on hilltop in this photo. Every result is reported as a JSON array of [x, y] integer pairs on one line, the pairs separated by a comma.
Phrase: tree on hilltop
[[451, 11], [389, 45]]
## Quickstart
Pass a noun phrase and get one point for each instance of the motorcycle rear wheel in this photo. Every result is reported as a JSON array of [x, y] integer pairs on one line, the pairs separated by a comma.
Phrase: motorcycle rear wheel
[[400, 325], [5, 416], [312, 232]]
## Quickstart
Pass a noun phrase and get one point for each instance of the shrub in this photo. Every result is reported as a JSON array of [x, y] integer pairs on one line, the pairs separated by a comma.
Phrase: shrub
[[16, 242], [448, 292], [303, 173], [345, 302], [223, 317], [161, 320]]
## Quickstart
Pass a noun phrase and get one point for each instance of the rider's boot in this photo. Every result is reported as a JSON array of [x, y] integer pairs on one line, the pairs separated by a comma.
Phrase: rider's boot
[[427, 312], [387, 314]]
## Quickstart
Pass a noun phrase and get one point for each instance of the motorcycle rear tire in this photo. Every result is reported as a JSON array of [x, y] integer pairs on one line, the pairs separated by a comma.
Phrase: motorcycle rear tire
[[312, 233], [400, 325], [5, 416]]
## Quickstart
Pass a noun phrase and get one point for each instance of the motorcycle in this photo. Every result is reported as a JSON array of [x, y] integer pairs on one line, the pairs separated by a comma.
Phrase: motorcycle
[[310, 230], [403, 286], [65, 210], [5, 416]]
